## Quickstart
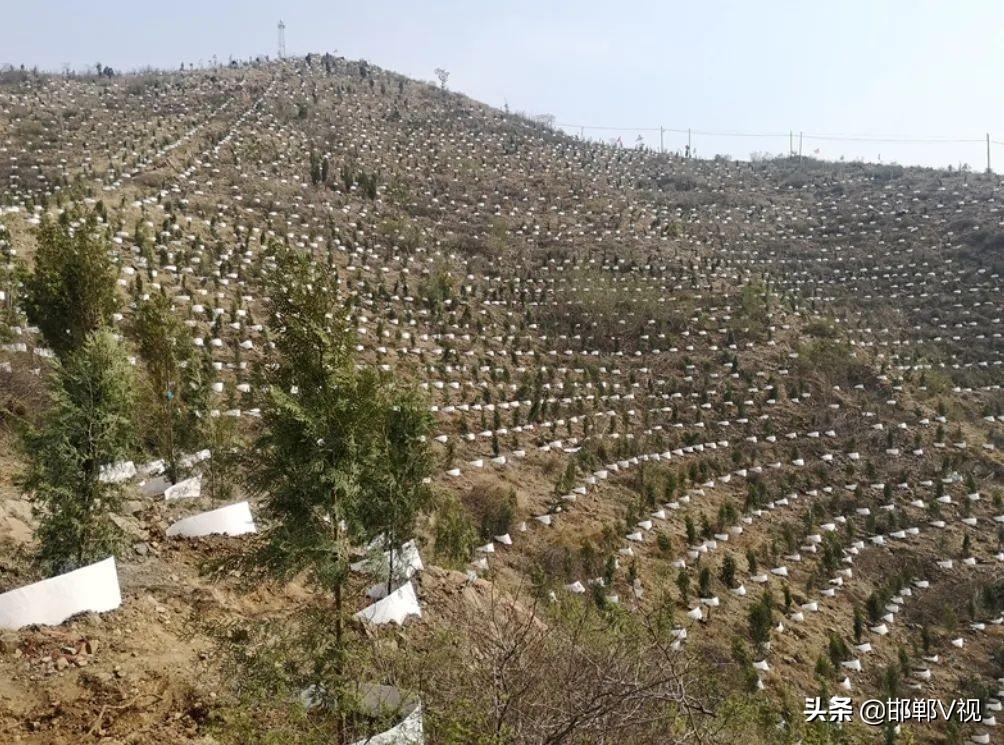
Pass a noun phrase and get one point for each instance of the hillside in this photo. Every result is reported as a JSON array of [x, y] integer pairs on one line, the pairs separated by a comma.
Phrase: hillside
[[784, 376]]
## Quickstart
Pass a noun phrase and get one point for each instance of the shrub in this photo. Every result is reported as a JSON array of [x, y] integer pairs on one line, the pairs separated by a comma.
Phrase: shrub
[[454, 533], [492, 508], [729, 571]]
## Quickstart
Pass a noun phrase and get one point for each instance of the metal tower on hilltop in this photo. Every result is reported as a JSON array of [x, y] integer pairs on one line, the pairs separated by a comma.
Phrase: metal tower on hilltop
[[282, 40]]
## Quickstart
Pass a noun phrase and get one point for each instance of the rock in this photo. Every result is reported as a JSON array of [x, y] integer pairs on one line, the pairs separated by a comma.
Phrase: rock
[[62, 663], [141, 548], [9, 643], [91, 646], [133, 507], [129, 526]]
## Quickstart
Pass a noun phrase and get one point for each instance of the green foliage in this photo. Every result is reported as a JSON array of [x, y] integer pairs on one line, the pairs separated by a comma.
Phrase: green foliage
[[454, 533], [566, 482], [683, 584], [664, 543], [891, 680], [837, 650], [824, 667], [221, 471], [164, 340], [691, 530], [741, 656], [760, 622], [729, 571], [316, 169], [754, 305], [874, 607], [12, 276], [176, 388], [833, 361], [367, 182], [820, 330], [396, 468], [72, 289], [704, 582], [340, 459], [88, 425], [437, 287], [495, 510], [340, 456]]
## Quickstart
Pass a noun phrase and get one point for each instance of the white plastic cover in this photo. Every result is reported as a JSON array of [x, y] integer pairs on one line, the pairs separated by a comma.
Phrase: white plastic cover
[[394, 608], [233, 520], [408, 732], [50, 602], [187, 489]]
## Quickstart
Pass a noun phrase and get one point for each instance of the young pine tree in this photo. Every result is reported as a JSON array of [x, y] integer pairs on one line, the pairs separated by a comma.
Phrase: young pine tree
[[683, 584], [729, 571], [72, 289], [704, 582], [222, 438], [89, 425], [173, 388], [566, 482], [760, 622], [394, 478], [333, 455]]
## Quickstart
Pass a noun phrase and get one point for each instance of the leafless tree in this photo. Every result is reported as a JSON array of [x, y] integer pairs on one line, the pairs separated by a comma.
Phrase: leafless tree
[[517, 674], [546, 119]]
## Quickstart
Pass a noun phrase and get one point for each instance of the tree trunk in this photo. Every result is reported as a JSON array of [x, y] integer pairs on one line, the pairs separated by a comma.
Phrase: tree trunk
[[340, 725], [390, 568], [172, 461]]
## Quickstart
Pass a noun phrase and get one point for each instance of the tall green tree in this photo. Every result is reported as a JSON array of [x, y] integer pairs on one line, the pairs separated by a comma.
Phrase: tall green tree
[[174, 386], [341, 454], [71, 291], [394, 479], [223, 440], [88, 425], [317, 409]]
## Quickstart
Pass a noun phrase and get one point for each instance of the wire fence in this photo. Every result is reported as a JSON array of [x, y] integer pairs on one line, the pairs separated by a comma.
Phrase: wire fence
[[796, 140]]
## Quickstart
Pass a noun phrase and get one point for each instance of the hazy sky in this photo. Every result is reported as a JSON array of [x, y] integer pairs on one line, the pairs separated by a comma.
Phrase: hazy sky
[[876, 68]]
